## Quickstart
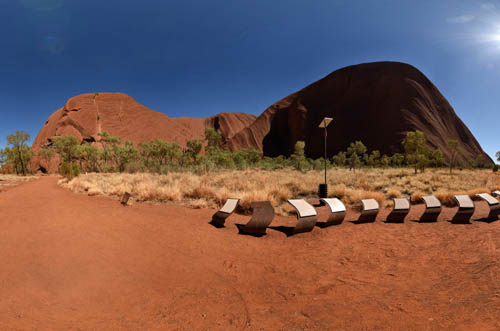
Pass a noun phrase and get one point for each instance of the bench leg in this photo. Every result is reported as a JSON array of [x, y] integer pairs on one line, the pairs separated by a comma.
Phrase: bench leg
[[463, 216], [305, 224], [218, 219], [430, 215], [397, 216], [494, 212], [368, 216], [335, 218]]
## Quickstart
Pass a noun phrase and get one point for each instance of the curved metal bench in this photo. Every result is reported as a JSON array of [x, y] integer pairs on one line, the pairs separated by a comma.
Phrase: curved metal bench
[[400, 210], [370, 210], [493, 203], [496, 193], [337, 211], [219, 218], [466, 208], [432, 209], [262, 217], [306, 215]]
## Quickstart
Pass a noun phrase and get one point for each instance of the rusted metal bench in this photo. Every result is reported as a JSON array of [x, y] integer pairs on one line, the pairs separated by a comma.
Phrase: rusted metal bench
[[432, 209], [400, 210], [337, 212], [219, 218], [369, 211], [496, 193], [262, 217], [493, 204], [466, 208], [306, 215]]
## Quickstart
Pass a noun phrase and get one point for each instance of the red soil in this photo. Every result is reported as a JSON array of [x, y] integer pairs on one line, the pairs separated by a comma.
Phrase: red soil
[[77, 262]]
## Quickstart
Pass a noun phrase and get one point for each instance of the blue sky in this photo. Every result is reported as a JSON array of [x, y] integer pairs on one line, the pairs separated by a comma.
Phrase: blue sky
[[200, 57]]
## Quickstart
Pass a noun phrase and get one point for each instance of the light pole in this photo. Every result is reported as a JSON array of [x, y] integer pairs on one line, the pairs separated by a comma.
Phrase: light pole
[[323, 188]]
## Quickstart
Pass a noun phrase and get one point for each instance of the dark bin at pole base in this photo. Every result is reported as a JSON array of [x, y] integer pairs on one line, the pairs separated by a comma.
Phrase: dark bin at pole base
[[323, 191]]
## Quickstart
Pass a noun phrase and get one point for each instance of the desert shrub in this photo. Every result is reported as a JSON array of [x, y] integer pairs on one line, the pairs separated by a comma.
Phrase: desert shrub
[[69, 170], [495, 167], [393, 193], [300, 162]]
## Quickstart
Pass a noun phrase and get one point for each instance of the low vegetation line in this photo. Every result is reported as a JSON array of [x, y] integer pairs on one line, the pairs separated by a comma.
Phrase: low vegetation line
[[210, 190]]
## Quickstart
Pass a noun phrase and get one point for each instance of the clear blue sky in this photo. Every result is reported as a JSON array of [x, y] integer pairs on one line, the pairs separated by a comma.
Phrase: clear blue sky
[[201, 57]]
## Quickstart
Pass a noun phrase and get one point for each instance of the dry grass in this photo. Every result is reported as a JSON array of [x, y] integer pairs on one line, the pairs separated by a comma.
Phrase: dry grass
[[211, 190], [12, 180]]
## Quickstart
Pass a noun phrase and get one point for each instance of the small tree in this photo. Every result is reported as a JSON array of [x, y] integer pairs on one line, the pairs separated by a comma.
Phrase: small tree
[[415, 149], [437, 158], [479, 162], [69, 170], [374, 159], [124, 154], [354, 151], [90, 155], [3, 158], [397, 160], [193, 149], [498, 156], [298, 157], [340, 159], [20, 154], [213, 138], [108, 142], [454, 149], [67, 147], [385, 161]]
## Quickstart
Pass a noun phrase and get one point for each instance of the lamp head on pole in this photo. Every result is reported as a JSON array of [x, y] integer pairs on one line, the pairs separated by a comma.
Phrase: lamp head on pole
[[325, 122]]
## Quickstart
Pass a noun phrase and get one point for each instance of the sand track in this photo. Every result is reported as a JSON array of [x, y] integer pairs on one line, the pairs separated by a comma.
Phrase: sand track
[[73, 262]]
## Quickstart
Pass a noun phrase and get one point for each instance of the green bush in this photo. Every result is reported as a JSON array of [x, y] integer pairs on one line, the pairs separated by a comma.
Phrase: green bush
[[69, 170]]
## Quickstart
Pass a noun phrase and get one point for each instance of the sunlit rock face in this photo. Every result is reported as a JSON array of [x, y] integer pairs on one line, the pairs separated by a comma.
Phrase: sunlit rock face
[[377, 103], [86, 115]]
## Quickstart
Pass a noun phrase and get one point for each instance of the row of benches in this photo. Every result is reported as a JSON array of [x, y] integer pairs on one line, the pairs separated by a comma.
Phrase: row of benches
[[307, 216]]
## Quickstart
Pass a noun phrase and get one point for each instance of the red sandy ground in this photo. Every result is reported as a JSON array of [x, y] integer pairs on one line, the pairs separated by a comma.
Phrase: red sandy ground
[[73, 262]]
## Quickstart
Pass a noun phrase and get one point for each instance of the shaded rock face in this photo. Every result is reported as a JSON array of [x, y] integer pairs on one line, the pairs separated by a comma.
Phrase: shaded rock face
[[86, 115], [377, 103]]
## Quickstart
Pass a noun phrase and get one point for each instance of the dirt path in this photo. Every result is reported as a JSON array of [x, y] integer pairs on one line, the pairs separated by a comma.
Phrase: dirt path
[[73, 262]]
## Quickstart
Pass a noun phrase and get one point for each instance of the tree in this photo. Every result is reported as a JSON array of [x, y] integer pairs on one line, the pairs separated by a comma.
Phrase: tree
[[454, 149], [385, 161], [245, 158], [479, 162], [108, 142], [193, 149], [374, 159], [437, 158], [67, 147], [340, 159], [3, 158], [90, 155], [20, 154], [354, 151], [124, 154], [298, 157], [397, 159], [213, 138], [46, 154], [416, 152], [498, 156]]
